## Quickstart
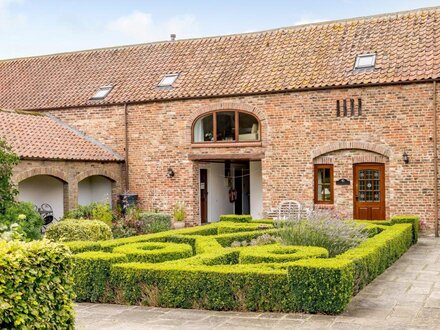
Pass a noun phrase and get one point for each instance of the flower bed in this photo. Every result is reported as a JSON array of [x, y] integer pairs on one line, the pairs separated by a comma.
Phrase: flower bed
[[198, 268]]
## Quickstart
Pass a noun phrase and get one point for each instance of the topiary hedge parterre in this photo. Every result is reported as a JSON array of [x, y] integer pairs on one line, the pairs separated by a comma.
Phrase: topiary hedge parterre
[[197, 268]]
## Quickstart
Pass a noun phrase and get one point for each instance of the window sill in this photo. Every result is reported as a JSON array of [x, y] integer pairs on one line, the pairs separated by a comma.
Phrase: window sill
[[226, 144]]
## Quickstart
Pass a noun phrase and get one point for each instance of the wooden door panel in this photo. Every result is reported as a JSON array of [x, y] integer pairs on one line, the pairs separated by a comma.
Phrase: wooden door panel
[[376, 213], [363, 213], [369, 191]]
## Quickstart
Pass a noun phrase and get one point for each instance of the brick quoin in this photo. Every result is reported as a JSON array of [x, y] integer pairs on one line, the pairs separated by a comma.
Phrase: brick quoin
[[299, 129]]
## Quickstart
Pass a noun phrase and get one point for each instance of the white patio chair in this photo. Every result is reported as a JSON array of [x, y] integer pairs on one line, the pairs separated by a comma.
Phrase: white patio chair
[[289, 210]]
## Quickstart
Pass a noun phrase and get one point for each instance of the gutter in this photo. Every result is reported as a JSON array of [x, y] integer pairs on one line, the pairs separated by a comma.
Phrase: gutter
[[72, 159]]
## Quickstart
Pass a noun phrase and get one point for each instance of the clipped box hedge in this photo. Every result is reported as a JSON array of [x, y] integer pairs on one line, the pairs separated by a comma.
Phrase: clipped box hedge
[[154, 251], [79, 230], [236, 218], [92, 271], [203, 271], [36, 286]]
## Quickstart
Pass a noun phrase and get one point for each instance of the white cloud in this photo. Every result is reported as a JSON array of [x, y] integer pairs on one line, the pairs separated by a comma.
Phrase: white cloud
[[140, 27]]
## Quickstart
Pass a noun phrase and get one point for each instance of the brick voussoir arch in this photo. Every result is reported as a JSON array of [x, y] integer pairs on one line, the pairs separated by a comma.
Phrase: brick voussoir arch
[[56, 173], [239, 106], [343, 145], [94, 172]]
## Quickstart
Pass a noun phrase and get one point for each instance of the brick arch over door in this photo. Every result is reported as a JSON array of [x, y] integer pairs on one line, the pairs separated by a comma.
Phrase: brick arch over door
[[376, 148], [61, 175], [238, 106]]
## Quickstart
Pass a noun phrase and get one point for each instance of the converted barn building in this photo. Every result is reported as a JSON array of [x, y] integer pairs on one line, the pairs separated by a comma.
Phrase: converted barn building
[[340, 115]]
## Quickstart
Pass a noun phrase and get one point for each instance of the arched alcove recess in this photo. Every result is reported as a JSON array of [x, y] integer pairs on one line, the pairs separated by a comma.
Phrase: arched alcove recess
[[20, 176], [343, 145], [230, 106], [115, 185], [37, 188]]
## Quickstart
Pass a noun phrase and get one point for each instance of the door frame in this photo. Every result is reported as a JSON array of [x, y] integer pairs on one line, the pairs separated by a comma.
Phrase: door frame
[[200, 195], [381, 168]]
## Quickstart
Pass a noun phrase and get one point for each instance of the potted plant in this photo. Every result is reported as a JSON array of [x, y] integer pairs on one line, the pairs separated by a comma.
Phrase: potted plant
[[179, 215]]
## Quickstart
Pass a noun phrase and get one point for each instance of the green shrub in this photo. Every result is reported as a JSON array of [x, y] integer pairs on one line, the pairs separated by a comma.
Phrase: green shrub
[[36, 286], [236, 218], [8, 160], [412, 219], [92, 211], [373, 256], [82, 246], [209, 274], [235, 227], [279, 253], [12, 232], [79, 230], [92, 271], [155, 222], [202, 287], [324, 286], [154, 251], [25, 216]]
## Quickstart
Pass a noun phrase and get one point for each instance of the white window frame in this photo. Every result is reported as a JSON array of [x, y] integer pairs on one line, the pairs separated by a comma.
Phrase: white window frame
[[168, 80], [359, 57], [102, 92]]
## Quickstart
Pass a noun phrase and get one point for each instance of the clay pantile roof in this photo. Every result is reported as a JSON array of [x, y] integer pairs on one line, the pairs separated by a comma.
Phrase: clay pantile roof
[[320, 55], [37, 136]]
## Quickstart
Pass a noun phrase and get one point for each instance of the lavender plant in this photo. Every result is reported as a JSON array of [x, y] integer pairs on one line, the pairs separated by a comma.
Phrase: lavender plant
[[323, 228], [260, 240]]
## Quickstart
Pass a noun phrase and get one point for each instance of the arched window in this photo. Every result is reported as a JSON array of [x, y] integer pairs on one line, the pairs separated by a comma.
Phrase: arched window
[[226, 126]]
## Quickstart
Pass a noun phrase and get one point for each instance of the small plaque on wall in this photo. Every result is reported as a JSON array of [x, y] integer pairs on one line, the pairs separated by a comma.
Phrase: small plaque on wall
[[343, 182]]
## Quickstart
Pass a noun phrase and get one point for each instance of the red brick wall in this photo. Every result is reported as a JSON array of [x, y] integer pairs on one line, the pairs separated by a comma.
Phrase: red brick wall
[[105, 124], [294, 126]]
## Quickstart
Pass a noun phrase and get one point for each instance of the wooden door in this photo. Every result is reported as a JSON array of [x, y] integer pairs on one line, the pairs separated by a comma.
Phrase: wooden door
[[203, 195], [369, 191]]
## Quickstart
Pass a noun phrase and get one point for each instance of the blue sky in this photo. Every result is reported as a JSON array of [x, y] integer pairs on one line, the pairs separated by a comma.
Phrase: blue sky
[[35, 27]]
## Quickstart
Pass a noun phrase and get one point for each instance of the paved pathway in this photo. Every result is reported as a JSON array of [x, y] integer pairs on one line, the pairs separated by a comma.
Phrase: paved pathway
[[406, 296]]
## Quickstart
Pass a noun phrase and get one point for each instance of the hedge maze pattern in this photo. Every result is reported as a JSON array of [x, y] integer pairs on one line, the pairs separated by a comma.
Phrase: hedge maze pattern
[[198, 268]]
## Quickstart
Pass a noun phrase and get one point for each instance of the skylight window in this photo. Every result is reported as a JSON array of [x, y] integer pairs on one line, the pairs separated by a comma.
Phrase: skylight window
[[168, 80], [102, 93], [365, 61]]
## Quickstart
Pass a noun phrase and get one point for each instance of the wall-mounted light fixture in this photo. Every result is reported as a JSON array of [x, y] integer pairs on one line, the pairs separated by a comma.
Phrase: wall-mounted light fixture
[[405, 157], [170, 173]]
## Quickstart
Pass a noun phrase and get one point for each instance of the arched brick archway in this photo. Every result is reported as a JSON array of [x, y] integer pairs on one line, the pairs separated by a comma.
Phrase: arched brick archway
[[38, 186], [229, 106], [101, 172], [343, 145], [20, 176], [95, 172]]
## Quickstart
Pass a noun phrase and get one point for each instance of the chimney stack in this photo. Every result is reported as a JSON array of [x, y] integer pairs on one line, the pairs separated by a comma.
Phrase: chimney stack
[[173, 37]]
